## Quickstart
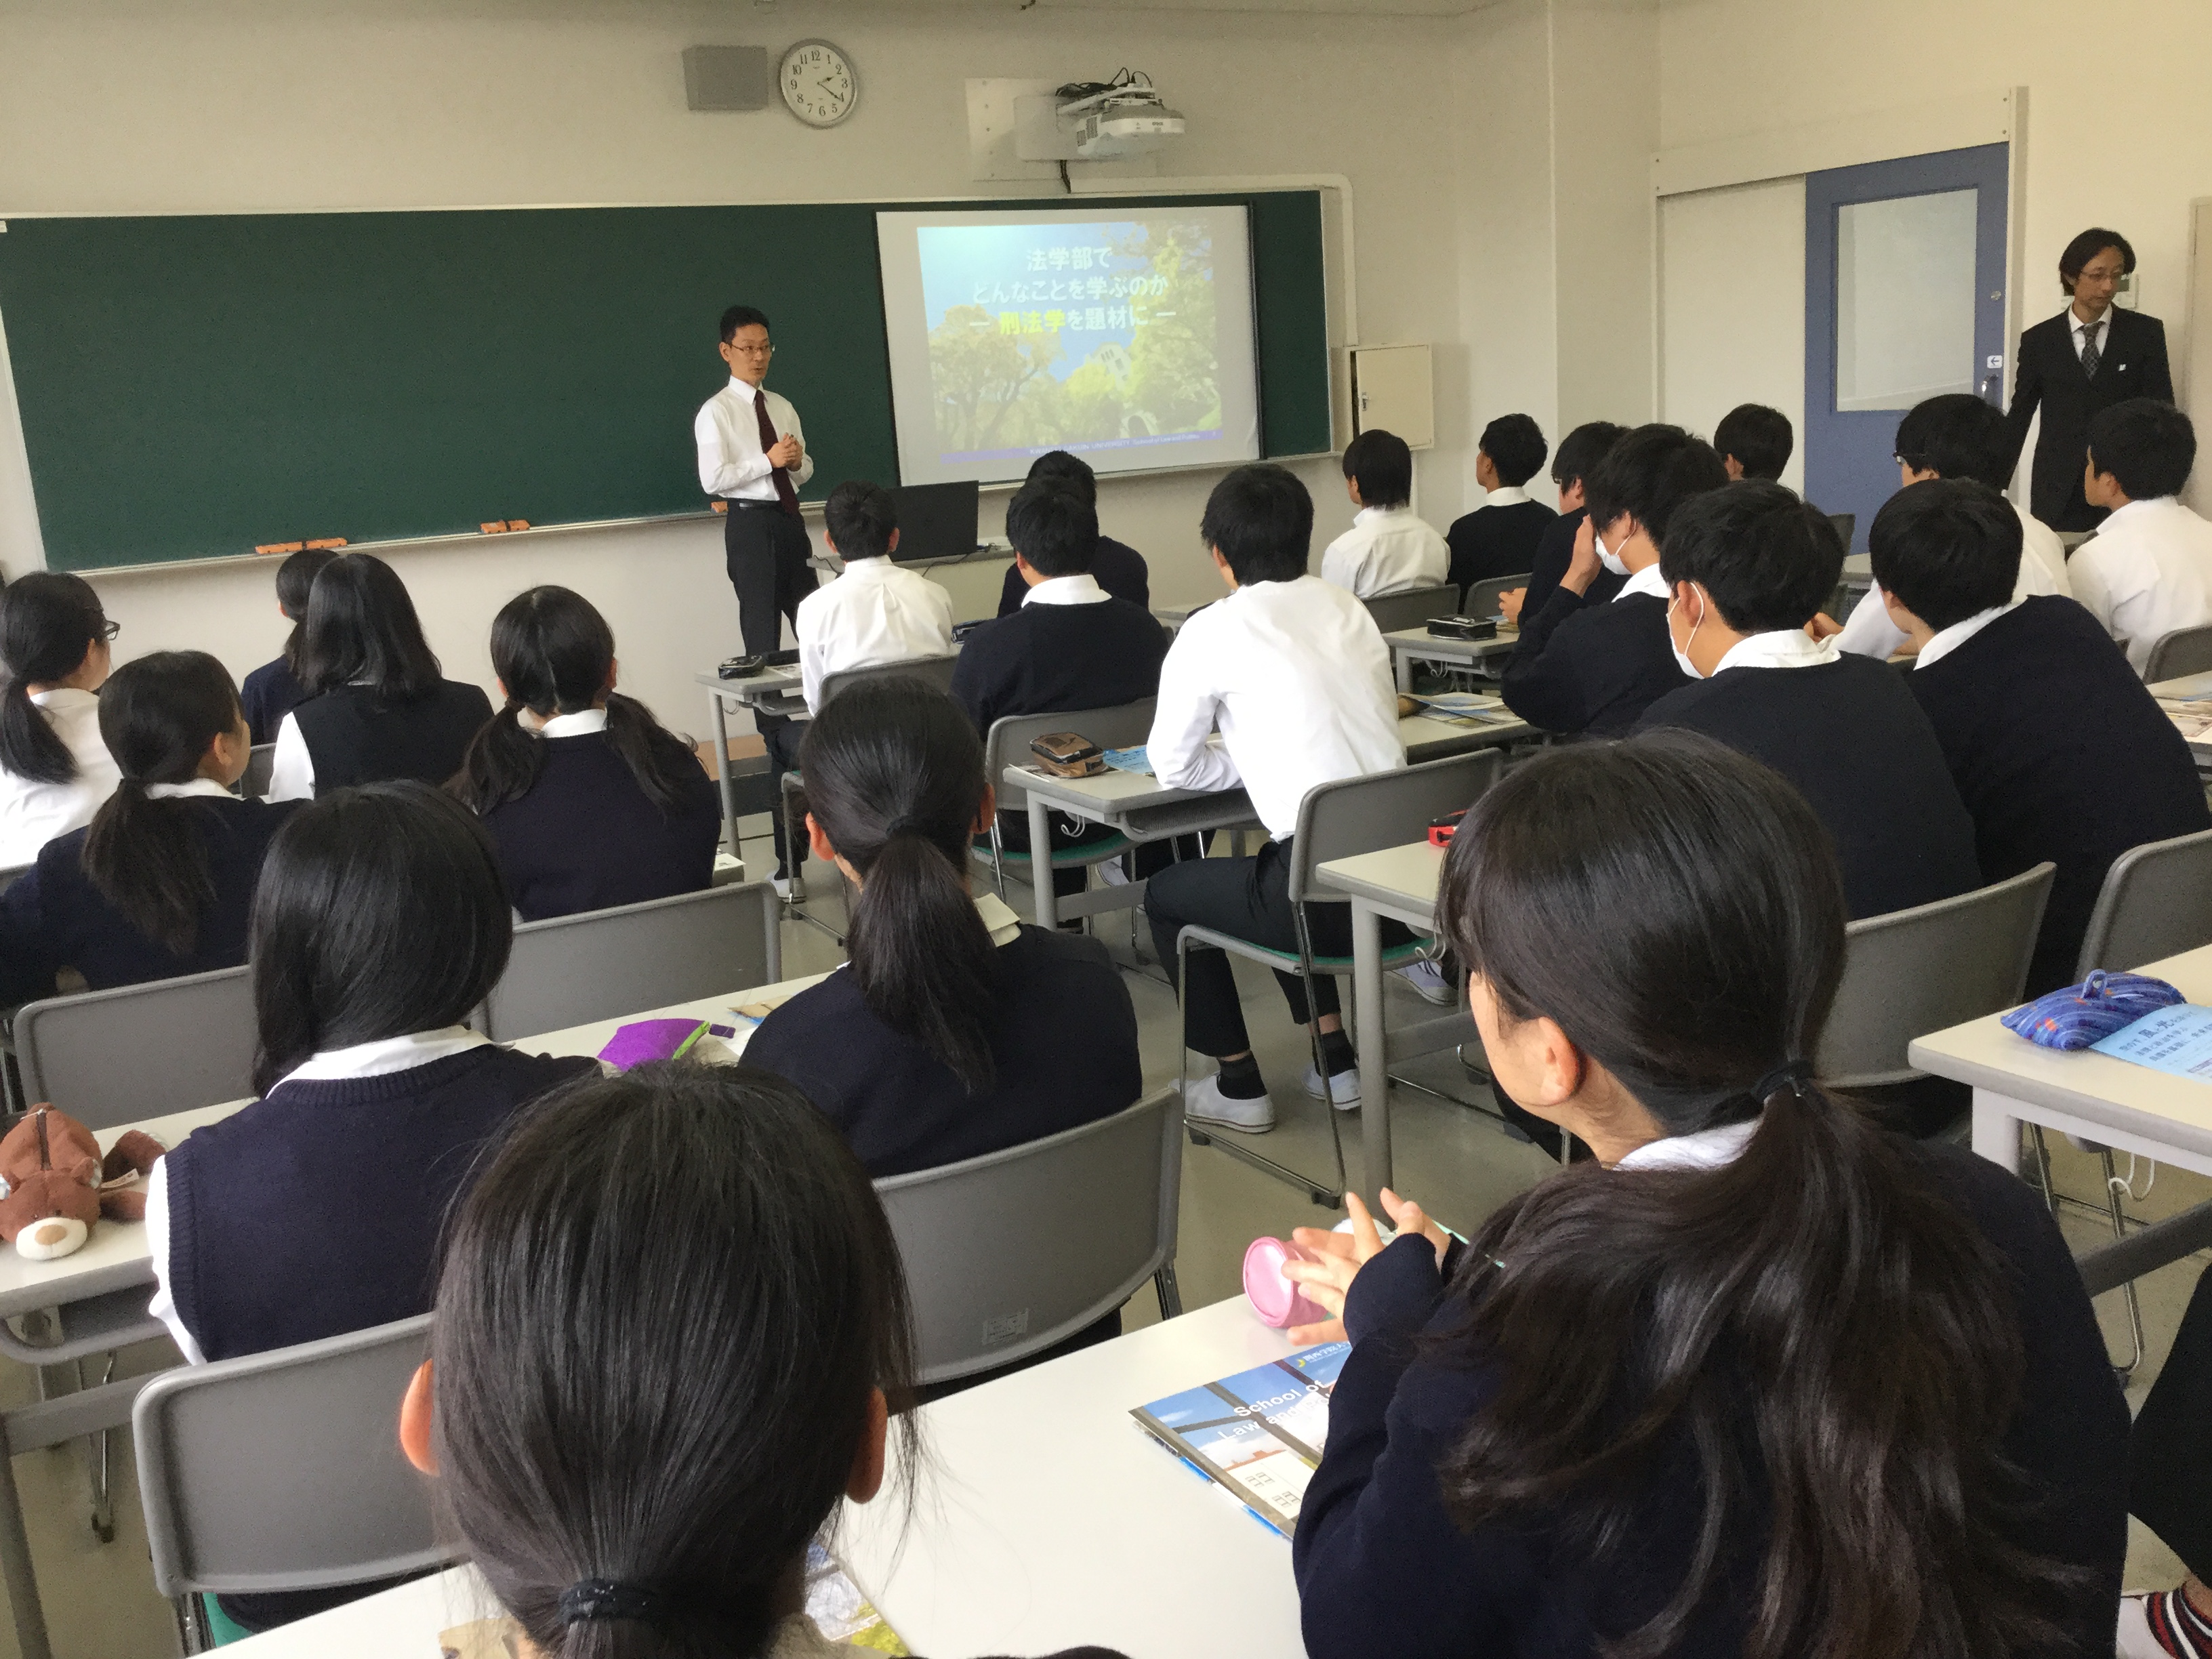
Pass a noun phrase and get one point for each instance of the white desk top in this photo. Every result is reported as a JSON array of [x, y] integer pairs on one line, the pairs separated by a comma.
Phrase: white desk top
[[1419, 643], [1431, 736], [2196, 690], [1396, 879], [754, 687], [2163, 1114]]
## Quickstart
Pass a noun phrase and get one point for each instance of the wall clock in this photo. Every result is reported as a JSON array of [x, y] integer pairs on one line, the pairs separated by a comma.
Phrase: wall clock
[[819, 85]]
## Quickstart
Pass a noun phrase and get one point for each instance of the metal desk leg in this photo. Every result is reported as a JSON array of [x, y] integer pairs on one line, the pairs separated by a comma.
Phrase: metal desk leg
[[1403, 661], [1374, 1048], [1048, 904], [15, 1567], [722, 772], [1996, 1130]]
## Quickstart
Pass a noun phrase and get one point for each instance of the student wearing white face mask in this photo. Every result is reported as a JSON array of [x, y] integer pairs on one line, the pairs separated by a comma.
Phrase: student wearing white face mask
[[1584, 666]]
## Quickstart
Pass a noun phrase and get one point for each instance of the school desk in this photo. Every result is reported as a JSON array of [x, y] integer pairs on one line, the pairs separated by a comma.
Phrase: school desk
[[2197, 689], [772, 691], [1411, 644]]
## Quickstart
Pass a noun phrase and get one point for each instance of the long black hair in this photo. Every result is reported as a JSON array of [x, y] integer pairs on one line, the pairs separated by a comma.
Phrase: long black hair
[[48, 621], [296, 583], [149, 858], [894, 777], [626, 1229], [381, 912], [1831, 1345], [361, 626], [554, 652]]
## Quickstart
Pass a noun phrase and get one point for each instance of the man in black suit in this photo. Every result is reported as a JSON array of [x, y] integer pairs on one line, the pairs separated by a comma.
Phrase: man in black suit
[[2089, 358]]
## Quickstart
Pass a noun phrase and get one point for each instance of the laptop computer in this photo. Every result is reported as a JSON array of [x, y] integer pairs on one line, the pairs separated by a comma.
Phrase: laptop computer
[[935, 521]]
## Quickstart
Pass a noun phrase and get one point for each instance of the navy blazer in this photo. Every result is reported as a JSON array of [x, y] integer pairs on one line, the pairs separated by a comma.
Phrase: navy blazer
[[2130, 363], [271, 692]]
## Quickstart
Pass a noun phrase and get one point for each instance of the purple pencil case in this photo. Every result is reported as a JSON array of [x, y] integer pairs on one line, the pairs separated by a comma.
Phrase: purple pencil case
[[656, 1039]]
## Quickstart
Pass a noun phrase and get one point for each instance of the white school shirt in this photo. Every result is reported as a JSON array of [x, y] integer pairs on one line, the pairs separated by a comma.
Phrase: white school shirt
[[1869, 632], [731, 463], [1387, 550], [2080, 331], [33, 813], [2146, 572], [1941, 643], [1082, 589], [386, 1054], [563, 725], [1703, 1149], [875, 613], [1505, 495], [1650, 582], [1296, 677], [1784, 647]]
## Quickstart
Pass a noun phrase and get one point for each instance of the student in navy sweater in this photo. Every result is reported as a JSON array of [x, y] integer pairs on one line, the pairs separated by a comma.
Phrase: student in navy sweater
[[1757, 1379], [1584, 665], [955, 1029], [1118, 567], [1499, 537], [380, 924], [160, 882], [619, 1496], [1572, 465], [378, 706], [590, 802], [2060, 752], [275, 689], [1747, 567]]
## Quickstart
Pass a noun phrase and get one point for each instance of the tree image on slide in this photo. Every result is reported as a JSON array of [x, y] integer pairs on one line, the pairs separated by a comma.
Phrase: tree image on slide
[[984, 376], [1174, 375]]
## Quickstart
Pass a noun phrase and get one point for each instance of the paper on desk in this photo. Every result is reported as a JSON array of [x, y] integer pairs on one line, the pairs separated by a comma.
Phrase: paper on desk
[[1471, 705], [2190, 722], [1130, 760], [2177, 1041]]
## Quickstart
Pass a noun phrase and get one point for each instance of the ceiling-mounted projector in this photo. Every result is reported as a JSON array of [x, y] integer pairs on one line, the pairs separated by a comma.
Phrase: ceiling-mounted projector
[[1096, 121]]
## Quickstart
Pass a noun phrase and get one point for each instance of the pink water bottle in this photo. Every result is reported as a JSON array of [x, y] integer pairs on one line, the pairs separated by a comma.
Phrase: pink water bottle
[[1278, 1301]]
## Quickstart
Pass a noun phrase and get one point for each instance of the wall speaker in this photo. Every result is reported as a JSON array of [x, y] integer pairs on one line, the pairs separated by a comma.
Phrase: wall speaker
[[727, 77]]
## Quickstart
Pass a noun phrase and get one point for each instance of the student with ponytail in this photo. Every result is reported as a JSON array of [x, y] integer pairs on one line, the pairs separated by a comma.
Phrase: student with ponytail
[[54, 769], [619, 1497], [955, 1029], [275, 689], [1759, 1379], [591, 801], [163, 880]]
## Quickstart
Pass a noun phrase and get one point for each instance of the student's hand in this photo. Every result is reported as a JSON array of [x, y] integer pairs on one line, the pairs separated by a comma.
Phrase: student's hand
[[1509, 604], [1340, 1256], [1583, 567], [1822, 627], [785, 452]]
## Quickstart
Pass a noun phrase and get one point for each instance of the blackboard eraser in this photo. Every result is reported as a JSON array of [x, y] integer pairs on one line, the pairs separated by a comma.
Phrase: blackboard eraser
[[517, 524], [721, 506], [494, 526], [279, 547], [325, 543]]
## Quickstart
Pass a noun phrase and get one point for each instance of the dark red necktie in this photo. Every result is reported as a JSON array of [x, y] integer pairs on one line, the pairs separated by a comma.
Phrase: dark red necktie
[[786, 497]]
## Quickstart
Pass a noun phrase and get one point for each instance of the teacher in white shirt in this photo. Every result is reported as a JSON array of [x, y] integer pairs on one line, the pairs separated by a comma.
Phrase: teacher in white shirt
[[752, 454]]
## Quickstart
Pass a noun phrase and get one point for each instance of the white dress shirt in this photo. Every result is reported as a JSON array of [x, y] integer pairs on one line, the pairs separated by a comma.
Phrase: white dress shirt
[[1650, 583], [731, 462], [1945, 640], [1505, 495], [1082, 589], [876, 612], [577, 724], [2081, 331], [1784, 648], [1869, 631], [1704, 1149], [292, 768], [1387, 550], [1296, 677], [33, 813], [386, 1054], [2146, 572]]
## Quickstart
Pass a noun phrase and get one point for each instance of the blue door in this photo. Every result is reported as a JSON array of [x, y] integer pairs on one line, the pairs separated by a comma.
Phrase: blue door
[[1904, 298]]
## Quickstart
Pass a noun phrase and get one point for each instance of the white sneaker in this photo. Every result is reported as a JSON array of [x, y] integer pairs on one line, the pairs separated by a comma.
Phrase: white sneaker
[[1113, 872], [1343, 1090], [1428, 981], [783, 885], [1204, 1103]]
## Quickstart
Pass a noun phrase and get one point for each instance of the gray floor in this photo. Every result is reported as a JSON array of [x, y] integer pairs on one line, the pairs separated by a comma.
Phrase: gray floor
[[100, 1600]]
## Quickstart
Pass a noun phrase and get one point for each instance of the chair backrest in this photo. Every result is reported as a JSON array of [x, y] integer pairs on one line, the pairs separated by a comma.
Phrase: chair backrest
[[259, 763], [1393, 611], [1124, 726], [2156, 901], [140, 1051], [1846, 525], [2185, 650], [937, 670], [281, 1471], [13, 874], [1919, 970], [1482, 596], [1352, 816], [1007, 1253], [568, 970]]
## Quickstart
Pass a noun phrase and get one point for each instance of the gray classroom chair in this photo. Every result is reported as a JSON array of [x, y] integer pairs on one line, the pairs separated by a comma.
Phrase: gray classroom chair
[[140, 1051], [1846, 525], [1009, 1253], [282, 1471], [1394, 611], [1008, 745], [935, 671], [1919, 970], [258, 764], [566, 970], [2185, 650], [1482, 596], [1341, 820]]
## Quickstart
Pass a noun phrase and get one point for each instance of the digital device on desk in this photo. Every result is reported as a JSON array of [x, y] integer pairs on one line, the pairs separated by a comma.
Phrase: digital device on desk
[[1463, 628], [936, 520]]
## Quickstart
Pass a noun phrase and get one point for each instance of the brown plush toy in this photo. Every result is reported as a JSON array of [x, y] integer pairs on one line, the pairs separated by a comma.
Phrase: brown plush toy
[[54, 1182]]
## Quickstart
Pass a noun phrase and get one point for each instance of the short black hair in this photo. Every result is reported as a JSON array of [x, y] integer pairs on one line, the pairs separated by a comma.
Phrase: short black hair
[[2087, 246], [1383, 466], [2148, 446], [1956, 435], [737, 317], [1053, 527], [1516, 446], [1072, 471], [1580, 450], [861, 518], [1260, 519], [1647, 474], [1766, 558], [1948, 548], [1759, 438]]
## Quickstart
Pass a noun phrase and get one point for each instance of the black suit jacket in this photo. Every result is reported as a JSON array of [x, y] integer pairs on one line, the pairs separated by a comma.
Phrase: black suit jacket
[[2130, 363]]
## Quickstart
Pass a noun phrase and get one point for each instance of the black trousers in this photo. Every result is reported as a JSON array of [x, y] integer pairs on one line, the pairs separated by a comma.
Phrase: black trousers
[[765, 550], [2170, 1448], [1250, 899], [782, 735]]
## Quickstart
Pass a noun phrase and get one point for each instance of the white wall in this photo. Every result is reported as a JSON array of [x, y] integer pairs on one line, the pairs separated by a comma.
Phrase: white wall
[[111, 108]]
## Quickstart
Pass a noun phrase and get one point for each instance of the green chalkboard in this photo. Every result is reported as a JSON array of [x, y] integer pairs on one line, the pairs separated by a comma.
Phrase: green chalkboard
[[193, 386]]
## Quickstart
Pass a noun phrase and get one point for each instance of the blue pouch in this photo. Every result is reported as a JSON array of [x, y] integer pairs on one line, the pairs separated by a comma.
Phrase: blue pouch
[[2078, 1015]]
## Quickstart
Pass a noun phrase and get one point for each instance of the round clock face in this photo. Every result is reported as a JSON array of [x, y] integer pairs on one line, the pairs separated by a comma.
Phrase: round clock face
[[819, 85]]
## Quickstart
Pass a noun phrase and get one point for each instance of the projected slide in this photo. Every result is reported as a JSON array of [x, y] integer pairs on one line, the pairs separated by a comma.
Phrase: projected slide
[[1122, 334]]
